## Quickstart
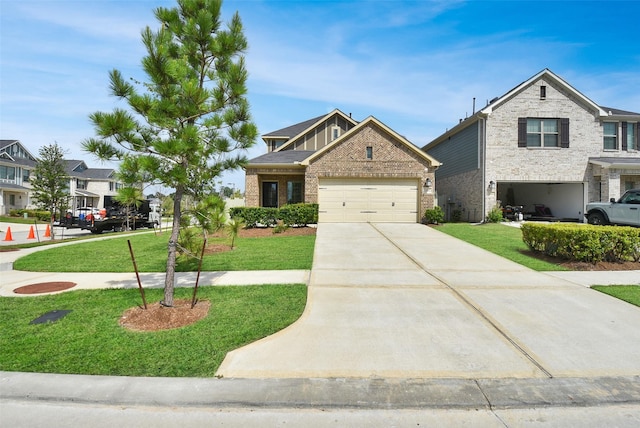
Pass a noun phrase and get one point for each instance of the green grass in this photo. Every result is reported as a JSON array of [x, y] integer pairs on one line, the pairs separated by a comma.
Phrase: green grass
[[501, 240], [89, 340], [628, 293], [271, 253], [19, 220]]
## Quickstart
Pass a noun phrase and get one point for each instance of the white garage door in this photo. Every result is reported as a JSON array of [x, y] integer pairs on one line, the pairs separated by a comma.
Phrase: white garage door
[[362, 200]]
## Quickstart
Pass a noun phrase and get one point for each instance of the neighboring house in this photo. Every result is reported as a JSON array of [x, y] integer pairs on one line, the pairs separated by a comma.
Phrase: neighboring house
[[87, 186], [356, 171], [542, 145], [16, 167]]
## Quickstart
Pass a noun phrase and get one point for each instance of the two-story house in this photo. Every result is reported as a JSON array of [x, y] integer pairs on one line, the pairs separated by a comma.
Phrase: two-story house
[[87, 186], [542, 145], [355, 171], [16, 167]]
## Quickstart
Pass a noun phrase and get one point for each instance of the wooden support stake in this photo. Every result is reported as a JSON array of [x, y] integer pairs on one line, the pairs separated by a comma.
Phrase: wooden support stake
[[135, 267], [195, 289]]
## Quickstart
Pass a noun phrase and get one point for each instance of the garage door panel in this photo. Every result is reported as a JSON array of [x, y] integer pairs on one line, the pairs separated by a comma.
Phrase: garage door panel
[[381, 200]]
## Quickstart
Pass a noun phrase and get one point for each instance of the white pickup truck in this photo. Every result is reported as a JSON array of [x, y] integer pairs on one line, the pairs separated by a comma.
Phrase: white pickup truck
[[624, 211]]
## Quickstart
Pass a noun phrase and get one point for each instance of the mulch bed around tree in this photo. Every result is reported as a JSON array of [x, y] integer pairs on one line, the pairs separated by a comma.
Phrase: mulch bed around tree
[[158, 317]]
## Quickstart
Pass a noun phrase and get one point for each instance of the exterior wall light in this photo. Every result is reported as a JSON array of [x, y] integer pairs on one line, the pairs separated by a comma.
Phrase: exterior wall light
[[492, 186], [428, 183]]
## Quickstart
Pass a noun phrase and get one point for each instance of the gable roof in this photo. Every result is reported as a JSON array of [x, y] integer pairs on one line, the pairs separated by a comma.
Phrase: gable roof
[[293, 130], [30, 160], [498, 101], [549, 75], [303, 127], [77, 168], [367, 122]]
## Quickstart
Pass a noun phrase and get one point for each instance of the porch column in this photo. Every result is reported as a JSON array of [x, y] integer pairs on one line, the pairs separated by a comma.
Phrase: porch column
[[610, 185]]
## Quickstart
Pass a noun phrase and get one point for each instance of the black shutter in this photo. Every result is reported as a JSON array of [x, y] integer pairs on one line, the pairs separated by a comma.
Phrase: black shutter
[[624, 135], [522, 132], [564, 133]]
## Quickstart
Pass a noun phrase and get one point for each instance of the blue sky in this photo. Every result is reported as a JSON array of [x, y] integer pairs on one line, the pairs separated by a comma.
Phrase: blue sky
[[414, 65]]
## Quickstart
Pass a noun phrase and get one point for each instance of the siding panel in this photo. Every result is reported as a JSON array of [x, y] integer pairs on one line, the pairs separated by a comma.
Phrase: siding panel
[[459, 154]]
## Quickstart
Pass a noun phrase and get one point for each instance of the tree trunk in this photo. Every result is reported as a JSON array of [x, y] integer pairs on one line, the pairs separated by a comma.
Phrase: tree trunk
[[173, 241]]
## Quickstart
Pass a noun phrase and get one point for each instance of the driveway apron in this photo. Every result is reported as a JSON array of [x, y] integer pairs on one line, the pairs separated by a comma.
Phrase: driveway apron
[[407, 301]]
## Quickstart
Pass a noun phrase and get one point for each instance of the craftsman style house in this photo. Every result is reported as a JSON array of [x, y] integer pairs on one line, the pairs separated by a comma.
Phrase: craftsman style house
[[16, 168], [355, 171], [87, 186], [542, 145]]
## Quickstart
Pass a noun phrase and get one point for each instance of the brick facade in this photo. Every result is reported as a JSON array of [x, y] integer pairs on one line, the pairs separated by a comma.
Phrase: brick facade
[[564, 176], [391, 159]]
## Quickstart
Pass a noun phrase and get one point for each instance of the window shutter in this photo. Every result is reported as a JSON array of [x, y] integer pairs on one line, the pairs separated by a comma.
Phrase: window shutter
[[564, 133], [624, 135], [522, 132]]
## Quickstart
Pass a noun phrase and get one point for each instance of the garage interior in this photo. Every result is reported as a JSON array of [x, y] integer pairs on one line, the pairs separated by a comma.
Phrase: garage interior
[[544, 201]]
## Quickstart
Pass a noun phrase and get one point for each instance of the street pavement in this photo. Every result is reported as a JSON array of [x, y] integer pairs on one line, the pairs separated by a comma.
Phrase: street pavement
[[403, 326]]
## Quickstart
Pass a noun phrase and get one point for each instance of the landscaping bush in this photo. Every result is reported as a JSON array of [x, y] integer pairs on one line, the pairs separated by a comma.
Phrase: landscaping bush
[[290, 215], [299, 214], [495, 215], [434, 215], [583, 243], [41, 215]]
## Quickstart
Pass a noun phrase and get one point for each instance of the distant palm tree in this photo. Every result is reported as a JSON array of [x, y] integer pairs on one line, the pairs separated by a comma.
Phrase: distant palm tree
[[233, 229]]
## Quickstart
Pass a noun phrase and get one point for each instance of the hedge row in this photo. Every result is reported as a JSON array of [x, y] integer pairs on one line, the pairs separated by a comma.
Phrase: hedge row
[[291, 215], [39, 214], [585, 243]]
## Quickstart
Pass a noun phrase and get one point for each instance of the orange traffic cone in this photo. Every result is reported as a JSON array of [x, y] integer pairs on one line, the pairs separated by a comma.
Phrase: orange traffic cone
[[31, 234], [47, 233], [8, 236]]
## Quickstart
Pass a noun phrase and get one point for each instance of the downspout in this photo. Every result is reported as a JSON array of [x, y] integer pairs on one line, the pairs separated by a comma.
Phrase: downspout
[[482, 153]]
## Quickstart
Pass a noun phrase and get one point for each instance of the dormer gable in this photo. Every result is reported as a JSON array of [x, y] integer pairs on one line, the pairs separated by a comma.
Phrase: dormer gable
[[312, 134]]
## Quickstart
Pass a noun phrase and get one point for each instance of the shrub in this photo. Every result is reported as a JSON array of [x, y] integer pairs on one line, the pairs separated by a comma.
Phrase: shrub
[[584, 243], [41, 215], [495, 215], [290, 215], [280, 227], [434, 215]]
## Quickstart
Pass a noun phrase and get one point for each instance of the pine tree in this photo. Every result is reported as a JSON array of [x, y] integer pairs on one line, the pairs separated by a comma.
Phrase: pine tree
[[50, 182], [190, 121]]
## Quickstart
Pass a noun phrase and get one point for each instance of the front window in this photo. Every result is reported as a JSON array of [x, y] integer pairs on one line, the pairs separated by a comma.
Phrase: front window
[[335, 133], [610, 130], [632, 143], [542, 133], [270, 194], [81, 184], [295, 193], [369, 152], [25, 175], [7, 173]]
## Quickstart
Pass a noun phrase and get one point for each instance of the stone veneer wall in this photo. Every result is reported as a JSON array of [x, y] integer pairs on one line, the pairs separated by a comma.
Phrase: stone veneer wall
[[391, 159]]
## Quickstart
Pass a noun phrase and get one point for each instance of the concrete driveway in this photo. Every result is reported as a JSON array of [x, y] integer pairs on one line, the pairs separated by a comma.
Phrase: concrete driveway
[[406, 301]]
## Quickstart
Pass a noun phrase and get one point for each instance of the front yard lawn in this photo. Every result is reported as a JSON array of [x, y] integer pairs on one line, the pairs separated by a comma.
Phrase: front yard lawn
[[628, 293], [268, 253], [89, 340]]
